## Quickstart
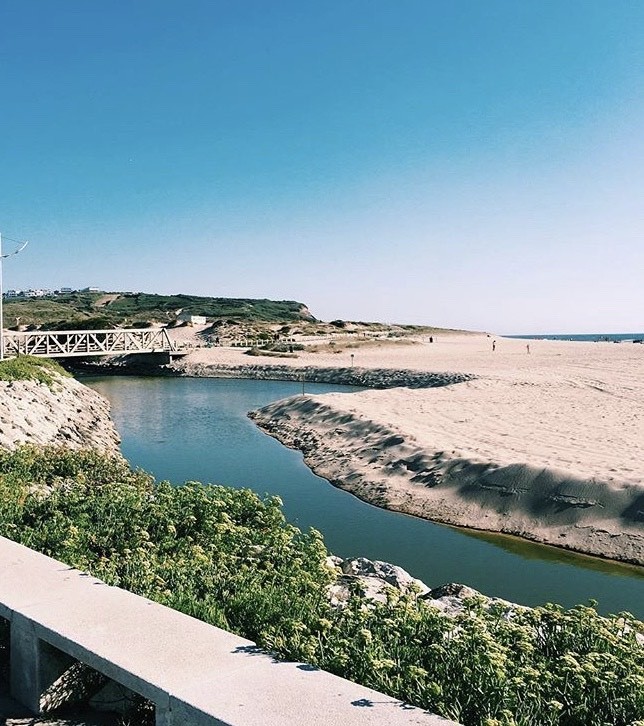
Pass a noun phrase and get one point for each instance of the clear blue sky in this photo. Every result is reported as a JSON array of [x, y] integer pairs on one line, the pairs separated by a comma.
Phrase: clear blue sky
[[475, 164]]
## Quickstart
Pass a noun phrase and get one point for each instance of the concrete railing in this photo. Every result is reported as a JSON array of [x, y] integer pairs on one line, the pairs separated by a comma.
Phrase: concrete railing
[[193, 672]]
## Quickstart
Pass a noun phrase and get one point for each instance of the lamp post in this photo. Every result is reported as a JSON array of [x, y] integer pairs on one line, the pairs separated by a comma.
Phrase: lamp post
[[2, 257]]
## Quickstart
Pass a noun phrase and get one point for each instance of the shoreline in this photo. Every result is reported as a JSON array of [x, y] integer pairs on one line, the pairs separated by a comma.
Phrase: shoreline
[[545, 444], [66, 413], [397, 482], [375, 378]]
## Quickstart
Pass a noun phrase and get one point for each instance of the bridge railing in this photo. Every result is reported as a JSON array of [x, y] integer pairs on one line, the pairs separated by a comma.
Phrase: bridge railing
[[71, 343], [194, 673]]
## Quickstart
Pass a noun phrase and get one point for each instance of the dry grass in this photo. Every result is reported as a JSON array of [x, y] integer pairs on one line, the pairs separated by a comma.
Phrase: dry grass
[[335, 346]]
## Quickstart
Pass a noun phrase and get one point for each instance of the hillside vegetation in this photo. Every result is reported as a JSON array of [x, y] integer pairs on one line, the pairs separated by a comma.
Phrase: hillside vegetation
[[228, 557], [228, 318], [96, 310]]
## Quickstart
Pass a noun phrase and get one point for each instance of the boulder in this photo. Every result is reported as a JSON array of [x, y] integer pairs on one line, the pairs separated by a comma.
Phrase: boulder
[[384, 572]]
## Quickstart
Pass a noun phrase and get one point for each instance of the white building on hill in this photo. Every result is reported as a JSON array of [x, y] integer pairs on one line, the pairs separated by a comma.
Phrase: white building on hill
[[191, 319]]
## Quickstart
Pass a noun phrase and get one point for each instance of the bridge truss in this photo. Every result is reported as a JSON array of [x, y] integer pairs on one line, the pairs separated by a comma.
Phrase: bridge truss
[[83, 343]]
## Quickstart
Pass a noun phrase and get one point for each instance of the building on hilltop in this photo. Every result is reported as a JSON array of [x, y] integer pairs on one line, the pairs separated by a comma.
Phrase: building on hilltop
[[191, 319], [37, 293]]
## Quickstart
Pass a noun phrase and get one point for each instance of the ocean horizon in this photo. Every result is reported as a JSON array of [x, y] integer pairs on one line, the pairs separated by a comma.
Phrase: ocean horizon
[[583, 337]]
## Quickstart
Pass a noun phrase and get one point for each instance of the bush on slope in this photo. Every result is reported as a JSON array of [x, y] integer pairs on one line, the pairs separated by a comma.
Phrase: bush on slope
[[230, 558]]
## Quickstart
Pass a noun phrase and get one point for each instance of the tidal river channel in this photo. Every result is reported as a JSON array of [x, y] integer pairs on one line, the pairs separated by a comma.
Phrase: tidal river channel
[[196, 429]]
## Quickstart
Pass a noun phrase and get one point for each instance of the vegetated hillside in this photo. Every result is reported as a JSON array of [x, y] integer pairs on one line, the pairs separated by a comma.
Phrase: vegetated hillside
[[46, 311], [229, 317], [104, 310]]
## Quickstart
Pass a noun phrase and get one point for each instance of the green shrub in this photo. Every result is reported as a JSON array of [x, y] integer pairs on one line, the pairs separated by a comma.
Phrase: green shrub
[[229, 557], [283, 347], [98, 322], [30, 368]]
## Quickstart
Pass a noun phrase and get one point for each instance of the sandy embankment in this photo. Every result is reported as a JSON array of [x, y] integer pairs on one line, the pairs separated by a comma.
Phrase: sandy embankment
[[66, 413], [547, 445]]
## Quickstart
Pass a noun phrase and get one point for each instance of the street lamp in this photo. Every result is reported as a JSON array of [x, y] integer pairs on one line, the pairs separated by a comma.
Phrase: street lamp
[[2, 257]]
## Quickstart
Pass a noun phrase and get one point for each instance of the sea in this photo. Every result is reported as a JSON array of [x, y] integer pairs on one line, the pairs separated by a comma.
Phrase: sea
[[586, 337]]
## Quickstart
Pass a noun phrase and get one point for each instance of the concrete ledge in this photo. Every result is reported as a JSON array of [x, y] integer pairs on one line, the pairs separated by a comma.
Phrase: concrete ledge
[[195, 673]]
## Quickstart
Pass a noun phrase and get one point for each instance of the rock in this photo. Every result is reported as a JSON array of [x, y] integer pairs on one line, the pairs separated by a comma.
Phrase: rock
[[450, 600], [390, 574], [452, 589], [334, 562], [375, 578], [450, 606], [373, 589]]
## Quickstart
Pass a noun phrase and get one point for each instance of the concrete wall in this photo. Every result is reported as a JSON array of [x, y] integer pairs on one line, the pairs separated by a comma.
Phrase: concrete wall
[[193, 672]]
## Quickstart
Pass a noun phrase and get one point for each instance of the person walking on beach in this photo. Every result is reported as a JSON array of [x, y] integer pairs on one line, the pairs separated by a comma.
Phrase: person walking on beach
[[527, 347], [493, 345]]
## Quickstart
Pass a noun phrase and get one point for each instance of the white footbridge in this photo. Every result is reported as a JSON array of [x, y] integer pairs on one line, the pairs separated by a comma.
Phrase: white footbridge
[[83, 343]]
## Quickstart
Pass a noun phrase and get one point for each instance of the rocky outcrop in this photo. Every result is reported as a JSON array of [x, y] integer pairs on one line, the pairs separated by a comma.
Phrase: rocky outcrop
[[375, 578], [363, 377], [66, 413], [378, 378]]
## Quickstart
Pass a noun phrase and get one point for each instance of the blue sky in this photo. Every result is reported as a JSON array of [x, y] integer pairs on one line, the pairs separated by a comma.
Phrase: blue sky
[[466, 164]]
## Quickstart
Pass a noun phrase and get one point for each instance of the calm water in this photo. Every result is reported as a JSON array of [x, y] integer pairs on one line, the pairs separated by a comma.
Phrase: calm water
[[191, 428]]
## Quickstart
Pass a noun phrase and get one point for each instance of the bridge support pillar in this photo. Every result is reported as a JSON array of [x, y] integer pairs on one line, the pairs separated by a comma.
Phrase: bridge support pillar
[[35, 665]]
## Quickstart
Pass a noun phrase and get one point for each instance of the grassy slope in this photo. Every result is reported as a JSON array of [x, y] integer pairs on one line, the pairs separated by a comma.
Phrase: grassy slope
[[228, 557], [248, 317], [88, 310]]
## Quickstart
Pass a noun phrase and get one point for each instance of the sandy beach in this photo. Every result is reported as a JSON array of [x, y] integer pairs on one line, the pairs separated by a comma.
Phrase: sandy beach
[[546, 444]]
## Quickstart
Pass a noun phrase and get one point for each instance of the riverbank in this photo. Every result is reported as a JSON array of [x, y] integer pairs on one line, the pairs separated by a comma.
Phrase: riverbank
[[545, 443], [377, 378], [384, 464], [65, 413]]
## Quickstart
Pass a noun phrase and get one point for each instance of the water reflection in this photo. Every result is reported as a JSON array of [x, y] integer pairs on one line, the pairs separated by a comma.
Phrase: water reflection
[[548, 553], [182, 429]]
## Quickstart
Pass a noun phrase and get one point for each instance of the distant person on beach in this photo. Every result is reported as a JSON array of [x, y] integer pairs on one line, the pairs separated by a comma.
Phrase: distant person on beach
[[493, 345], [527, 347], [431, 339]]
